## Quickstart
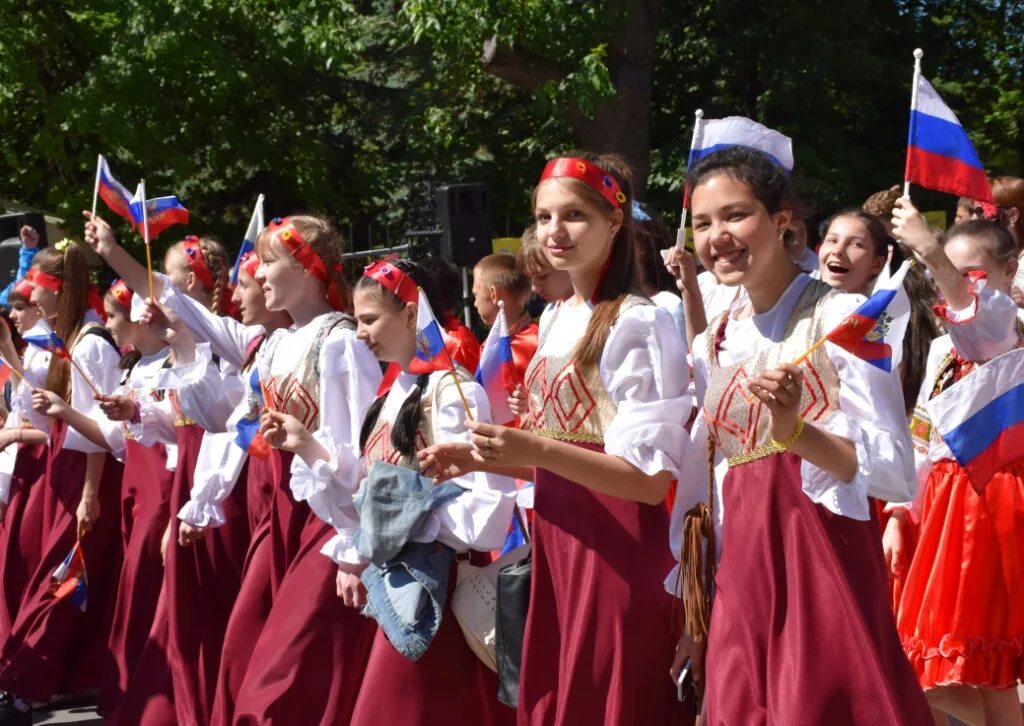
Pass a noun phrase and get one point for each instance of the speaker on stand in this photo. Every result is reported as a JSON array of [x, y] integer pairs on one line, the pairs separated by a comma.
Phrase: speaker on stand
[[464, 213]]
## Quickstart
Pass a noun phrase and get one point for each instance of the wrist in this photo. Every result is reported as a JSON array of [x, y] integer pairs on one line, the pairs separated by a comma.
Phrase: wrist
[[796, 431]]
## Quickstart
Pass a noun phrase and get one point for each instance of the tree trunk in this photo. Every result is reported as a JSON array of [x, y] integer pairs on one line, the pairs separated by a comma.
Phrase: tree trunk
[[620, 125]]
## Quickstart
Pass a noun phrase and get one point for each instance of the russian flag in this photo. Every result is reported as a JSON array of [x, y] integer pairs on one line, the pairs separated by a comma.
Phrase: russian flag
[[50, 342], [70, 579], [249, 243], [430, 342], [248, 436], [161, 213], [874, 331], [940, 155], [5, 373], [496, 373], [981, 417], [112, 192]]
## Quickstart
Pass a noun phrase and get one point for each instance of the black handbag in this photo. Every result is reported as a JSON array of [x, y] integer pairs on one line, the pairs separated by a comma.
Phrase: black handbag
[[510, 627]]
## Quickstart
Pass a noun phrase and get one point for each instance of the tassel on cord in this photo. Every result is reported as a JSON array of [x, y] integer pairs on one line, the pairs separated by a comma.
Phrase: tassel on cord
[[697, 560]]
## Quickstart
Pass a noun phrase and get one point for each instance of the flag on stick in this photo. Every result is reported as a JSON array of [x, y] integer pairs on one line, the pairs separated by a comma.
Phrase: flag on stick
[[111, 191], [251, 233], [496, 373], [70, 578]]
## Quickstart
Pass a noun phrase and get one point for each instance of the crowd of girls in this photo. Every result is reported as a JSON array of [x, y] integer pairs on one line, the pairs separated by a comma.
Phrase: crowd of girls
[[728, 523]]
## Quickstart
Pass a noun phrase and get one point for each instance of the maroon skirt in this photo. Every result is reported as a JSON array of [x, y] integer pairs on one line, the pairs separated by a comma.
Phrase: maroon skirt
[[21, 537], [145, 492], [801, 628], [150, 697], [201, 585], [54, 647], [308, 664], [599, 635], [275, 544]]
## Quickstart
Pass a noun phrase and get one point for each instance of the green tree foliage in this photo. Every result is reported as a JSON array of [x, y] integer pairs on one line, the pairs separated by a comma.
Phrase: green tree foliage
[[341, 106]]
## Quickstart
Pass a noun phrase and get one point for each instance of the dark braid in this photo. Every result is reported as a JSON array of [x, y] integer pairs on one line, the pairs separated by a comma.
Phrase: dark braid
[[403, 433]]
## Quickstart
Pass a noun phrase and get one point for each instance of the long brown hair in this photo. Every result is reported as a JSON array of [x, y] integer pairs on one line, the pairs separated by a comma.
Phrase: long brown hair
[[72, 267], [622, 274]]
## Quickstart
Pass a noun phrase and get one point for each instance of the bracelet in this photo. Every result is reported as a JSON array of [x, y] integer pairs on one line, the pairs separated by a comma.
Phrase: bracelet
[[788, 443]]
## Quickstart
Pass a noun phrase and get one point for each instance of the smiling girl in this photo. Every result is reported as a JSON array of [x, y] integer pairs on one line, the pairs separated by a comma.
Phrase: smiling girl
[[608, 406], [853, 251], [795, 452]]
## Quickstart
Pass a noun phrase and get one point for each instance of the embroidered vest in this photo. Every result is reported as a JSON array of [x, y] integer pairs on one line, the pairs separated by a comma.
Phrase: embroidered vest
[[737, 421], [298, 392], [567, 403]]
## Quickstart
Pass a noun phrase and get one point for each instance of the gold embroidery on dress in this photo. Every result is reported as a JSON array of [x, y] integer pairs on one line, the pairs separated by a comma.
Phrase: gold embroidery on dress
[[737, 420], [565, 403]]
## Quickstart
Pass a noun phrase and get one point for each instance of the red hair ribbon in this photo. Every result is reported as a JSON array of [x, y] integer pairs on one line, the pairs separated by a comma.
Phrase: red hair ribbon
[[39, 278], [590, 174], [196, 262], [292, 240], [95, 301], [121, 294], [389, 276], [24, 288], [250, 263]]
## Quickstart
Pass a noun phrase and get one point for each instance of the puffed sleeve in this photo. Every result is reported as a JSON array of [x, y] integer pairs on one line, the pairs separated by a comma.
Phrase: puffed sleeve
[[229, 338], [218, 466], [7, 459], [100, 361], [985, 328], [349, 376], [207, 393], [872, 415], [155, 424], [644, 369], [478, 518]]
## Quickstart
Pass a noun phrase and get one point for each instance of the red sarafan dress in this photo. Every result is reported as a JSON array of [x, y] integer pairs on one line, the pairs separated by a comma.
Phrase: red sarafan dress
[[599, 632], [801, 628], [961, 616], [449, 685], [53, 646], [22, 473]]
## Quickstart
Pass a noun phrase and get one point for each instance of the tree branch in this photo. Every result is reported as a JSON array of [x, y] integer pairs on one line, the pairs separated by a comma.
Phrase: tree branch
[[518, 66]]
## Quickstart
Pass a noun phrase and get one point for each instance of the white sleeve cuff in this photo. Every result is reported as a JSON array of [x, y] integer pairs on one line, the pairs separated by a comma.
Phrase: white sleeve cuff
[[848, 499]]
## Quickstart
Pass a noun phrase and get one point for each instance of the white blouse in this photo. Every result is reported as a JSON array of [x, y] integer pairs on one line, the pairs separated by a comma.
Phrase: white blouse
[[35, 365], [645, 371], [156, 419], [674, 305], [101, 361], [871, 414], [477, 519], [717, 297]]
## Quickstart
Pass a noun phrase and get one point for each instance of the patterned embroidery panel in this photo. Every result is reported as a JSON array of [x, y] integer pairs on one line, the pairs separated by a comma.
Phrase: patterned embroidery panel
[[737, 420]]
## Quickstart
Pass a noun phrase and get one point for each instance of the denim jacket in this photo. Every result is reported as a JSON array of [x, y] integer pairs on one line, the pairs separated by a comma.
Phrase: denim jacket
[[406, 582]]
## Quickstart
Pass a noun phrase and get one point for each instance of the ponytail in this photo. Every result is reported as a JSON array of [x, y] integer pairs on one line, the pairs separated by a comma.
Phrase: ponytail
[[72, 267]]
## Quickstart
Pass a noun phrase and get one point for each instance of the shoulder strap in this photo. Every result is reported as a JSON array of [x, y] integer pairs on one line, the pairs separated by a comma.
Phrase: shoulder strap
[[332, 321], [97, 329]]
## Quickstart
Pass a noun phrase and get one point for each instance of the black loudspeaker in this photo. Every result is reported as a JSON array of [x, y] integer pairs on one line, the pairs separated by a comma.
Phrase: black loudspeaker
[[10, 241], [464, 212]]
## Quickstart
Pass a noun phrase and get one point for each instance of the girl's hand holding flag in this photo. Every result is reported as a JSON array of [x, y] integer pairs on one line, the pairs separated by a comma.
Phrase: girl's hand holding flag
[[48, 403], [99, 235], [117, 408], [911, 228], [284, 431]]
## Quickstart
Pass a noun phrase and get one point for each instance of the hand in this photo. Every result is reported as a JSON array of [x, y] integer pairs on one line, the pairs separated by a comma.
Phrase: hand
[[502, 444], [29, 236], [912, 229], [892, 546], [350, 587], [48, 403], [164, 541], [170, 328], [283, 431], [88, 513], [99, 235], [117, 408], [517, 402], [689, 651], [447, 461], [187, 534], [780, 390], [682, 266]]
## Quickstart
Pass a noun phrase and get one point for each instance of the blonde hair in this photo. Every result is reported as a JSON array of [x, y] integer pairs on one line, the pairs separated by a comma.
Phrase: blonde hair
[[1008, 191], [501, 270], [531, 258], [325, 240]]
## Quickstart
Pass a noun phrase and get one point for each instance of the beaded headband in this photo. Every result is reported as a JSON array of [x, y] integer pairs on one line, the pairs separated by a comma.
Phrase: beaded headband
[[196, 262], [392, 278], [590, 174]]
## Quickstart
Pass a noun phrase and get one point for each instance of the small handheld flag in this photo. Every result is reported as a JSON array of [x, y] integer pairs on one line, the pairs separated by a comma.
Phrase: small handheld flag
[[940, 154], [156, 215], [111, 191], [431, 350], [251, 233], [981, 417], [496, 372], [249, 437], [70, 578], [874, 331], [52, 344]]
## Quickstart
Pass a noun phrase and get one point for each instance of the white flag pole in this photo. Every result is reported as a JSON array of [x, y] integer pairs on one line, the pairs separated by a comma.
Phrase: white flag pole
[[259, 213], [918, 54], [698, 115], [96, 186]]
